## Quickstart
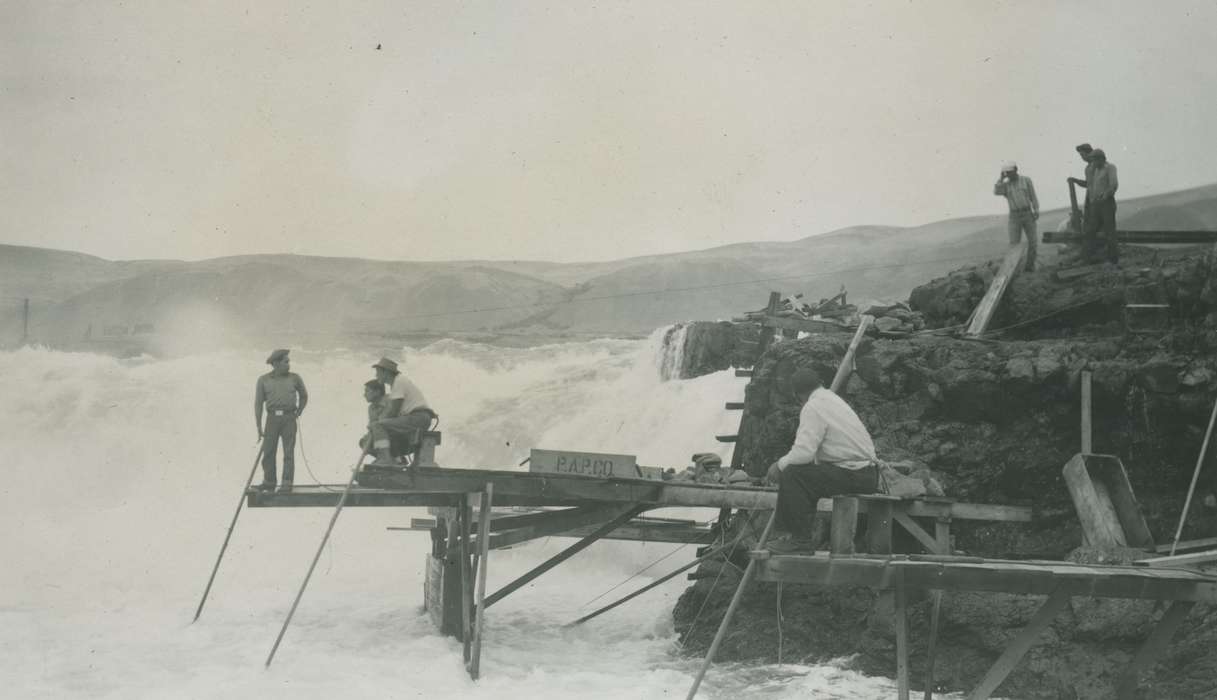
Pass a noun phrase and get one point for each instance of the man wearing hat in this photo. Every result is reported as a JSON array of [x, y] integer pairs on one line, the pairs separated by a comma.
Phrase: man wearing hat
[[1024, 207], [1084, 150], [282, 393], [406, 413], [1101, 202], [832, 454]]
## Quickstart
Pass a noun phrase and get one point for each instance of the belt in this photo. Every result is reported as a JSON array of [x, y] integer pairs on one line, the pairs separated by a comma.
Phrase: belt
[[1024, 210], [282, 412], [424, 410]]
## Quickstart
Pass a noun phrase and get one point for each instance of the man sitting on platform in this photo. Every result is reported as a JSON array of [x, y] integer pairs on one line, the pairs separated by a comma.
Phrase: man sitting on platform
[[405, 417], [374, 394], [832, 454]]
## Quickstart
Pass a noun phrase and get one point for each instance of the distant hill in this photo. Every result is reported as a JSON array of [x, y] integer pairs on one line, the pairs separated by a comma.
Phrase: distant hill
[[80, 300]]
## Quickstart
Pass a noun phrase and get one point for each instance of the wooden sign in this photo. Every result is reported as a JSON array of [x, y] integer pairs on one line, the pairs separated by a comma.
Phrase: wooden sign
[[603, 466]]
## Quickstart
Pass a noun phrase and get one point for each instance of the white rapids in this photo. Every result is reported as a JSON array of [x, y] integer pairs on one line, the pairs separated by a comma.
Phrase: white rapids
[[120, 477]]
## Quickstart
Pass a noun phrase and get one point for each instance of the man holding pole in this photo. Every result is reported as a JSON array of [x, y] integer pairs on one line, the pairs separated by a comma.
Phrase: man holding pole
[[282, 393], [832, 454]]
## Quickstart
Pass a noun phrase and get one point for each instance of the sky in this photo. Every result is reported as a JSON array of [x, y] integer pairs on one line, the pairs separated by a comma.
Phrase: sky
[[572, 131]]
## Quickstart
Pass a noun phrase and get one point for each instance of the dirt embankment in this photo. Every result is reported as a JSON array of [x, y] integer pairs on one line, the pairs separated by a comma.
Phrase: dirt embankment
[[996, 420]]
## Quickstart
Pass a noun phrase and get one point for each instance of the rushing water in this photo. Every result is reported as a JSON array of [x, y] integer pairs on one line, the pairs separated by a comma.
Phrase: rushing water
[[120, 477]]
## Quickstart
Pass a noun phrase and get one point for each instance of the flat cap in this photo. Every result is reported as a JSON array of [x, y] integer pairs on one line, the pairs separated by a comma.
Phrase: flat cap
[[1084, 148], [277, 355], [386, 364]]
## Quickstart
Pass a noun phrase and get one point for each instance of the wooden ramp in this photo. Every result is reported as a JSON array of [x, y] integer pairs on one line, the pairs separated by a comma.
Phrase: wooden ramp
[[1010, 266]]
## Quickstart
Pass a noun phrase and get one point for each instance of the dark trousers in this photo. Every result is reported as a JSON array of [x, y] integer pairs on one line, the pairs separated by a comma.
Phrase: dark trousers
[[402, 432], [801, 487], [279, 428], [1101, 217]]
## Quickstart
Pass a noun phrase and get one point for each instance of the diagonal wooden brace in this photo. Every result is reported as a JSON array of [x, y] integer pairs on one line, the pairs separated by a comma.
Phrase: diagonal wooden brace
[[1149, 652], [1020, 644]]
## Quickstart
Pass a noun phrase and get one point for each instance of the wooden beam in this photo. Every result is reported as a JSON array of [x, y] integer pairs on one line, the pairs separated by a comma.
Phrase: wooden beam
[[625, 514], [1149, 652], [743, 373], [1190, 559], [844, 526], [475, 661], [847, 363], [1202, 543], [1018, 646], [902, 643], [997, 288], [466, 582], [879, 527], [734, 405], [926, 539], [932, 645], [555, 522], [806, 325], [1143, 237]]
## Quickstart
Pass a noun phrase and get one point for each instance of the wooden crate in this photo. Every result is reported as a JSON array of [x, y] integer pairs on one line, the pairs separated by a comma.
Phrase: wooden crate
[[1105, 502]]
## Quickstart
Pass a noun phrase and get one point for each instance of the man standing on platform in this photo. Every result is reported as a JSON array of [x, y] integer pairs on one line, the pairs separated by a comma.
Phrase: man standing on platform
[[406, 414], [832, 454], [282, 393], [1101, 199], [1024, 207]]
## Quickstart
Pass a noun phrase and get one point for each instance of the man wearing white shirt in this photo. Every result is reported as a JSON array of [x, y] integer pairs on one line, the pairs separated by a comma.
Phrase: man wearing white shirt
[[406, 414], [832, 454]]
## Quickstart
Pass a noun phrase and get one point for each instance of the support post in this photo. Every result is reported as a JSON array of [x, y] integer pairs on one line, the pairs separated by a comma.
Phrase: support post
[[902, 641], [465, 514], [1087, 447], [565, 554], [475, 661], [1159, 637], [844, 524], [1019, 645], [932, 645]]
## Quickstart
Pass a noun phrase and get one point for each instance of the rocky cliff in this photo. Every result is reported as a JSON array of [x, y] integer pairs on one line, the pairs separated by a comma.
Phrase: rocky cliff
[[996, 420]]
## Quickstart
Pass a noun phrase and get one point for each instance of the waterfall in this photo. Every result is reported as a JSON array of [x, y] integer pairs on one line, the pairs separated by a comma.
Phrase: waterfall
[[671, 358]]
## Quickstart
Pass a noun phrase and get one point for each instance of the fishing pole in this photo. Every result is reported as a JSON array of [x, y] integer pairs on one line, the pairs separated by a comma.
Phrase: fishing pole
[[224, 547]]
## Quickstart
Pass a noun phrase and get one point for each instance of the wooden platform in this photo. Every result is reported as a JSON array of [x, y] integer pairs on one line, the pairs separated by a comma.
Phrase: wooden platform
[[433, 486]]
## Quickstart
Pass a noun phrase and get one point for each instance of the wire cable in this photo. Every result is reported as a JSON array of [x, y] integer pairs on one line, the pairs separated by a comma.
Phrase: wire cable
[[634, 575]]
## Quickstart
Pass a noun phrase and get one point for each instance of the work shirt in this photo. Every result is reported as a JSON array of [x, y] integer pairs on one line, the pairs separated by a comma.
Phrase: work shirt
[[1103, 183], [1019, 193], [411, 396], [830, 433], [278, 391]]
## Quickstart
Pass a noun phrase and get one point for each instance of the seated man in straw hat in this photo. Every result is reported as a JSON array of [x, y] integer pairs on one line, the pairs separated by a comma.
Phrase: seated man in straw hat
[[404, 418]]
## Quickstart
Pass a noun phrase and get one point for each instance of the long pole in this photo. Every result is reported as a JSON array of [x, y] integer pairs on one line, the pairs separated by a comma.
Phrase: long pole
[[735, 600], [475, 660], [846, 367], [714, 551], [1191, 490], [321, 547], [224, 547]]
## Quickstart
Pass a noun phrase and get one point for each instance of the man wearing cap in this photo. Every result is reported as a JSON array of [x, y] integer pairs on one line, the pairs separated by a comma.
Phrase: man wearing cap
[[1084, 150], [832, 454], [1101, 200], [406, 413], [282, 393], [1024, 207]]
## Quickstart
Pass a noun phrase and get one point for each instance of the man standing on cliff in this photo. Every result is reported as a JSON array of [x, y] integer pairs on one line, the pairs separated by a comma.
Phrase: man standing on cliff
[[406, 413], [832, 454], [1024, 207], [282, 393], [1101, 202]]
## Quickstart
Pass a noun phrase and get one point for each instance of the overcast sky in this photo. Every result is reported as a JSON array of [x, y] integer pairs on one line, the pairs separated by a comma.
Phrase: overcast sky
[[572, 130]]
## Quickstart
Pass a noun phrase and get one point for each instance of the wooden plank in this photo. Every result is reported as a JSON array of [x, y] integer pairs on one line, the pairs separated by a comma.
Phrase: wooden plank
[[942, 535], [626, 513], [466, 581], [734, 405], [1195, 237], [847, 363], [806, 325], [1100, 524], [1153, 647], [1018, 647], [844, 524], [727, 438], [743, 373], [1202, 543], [1190, 559], [1086, 444], [1132, 521], [475, 662], [932, 645], [997, 288], [597, 464], [557, 522]]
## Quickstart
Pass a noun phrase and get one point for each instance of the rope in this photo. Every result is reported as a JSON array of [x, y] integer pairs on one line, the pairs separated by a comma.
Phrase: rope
[[1086, 301], [634, 575], [304, 457], [710, 593]]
